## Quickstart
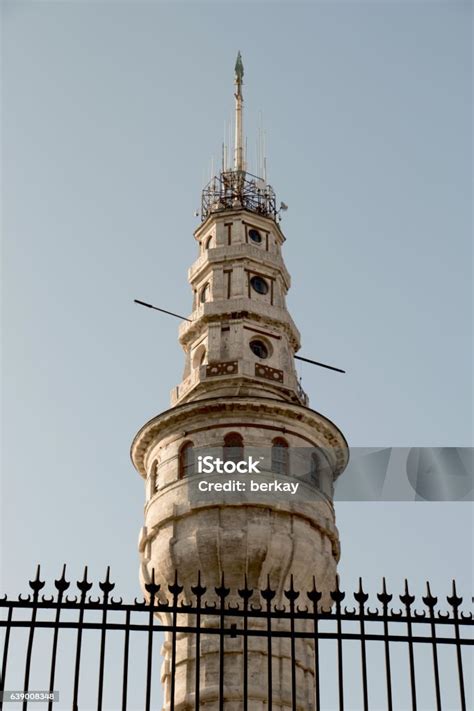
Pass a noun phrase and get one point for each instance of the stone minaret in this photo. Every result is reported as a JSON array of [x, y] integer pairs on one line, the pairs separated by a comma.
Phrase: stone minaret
[[239, 393]]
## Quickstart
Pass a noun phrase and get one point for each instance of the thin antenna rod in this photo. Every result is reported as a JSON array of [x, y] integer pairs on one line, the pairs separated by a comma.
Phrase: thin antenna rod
[[163, 311], [264, 151], [323, 365], [225, 148], [183, 318]]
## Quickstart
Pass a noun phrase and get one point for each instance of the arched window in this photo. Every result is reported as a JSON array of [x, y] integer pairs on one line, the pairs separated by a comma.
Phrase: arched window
[[186, 459], [209, 242], [199, 356], [204, 296], [233, 447], [280, 456], [153, 479]]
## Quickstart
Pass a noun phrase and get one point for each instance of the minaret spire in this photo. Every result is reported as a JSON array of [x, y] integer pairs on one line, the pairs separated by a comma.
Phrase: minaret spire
[[239, 140]]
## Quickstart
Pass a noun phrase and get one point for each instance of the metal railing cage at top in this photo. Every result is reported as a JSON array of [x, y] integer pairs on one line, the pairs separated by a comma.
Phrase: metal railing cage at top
[[236, 189], [365, 650]]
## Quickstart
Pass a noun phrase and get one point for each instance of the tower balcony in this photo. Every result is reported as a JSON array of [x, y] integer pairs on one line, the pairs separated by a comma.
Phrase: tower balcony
[[233, 189], [239, 376]]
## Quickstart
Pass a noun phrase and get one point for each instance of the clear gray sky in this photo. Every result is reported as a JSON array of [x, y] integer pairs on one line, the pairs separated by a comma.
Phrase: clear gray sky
[[111, 114]]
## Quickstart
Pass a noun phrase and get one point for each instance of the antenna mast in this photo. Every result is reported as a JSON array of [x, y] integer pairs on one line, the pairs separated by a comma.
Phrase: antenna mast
[[239, 149]]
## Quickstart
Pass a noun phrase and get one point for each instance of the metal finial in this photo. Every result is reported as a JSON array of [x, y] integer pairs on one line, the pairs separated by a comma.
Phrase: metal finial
[[239, 100], [239, 68]]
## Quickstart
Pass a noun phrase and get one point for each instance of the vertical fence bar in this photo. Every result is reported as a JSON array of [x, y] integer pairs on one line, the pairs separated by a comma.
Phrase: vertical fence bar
[[455, 601], [36, 586], [222, 592], [152, 589], [175, 590], [385, 598], [125, 661], [292, 596], [245, 594], [268, 594], [84, 586], [5, 654], [61, 586], [430, 602], [408, 600], [198, 590], [361, 597], [315, 597], [338, 596], [106, 588]]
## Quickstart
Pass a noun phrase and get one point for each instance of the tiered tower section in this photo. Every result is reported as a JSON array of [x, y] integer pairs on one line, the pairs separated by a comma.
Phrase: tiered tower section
[[239, 393], [240, 339]]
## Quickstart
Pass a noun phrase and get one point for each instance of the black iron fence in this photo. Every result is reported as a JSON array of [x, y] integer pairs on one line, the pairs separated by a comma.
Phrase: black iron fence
[[434, 664]]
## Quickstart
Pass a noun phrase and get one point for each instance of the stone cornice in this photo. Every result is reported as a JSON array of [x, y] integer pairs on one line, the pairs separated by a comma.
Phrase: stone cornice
[[267, 222], [254, 407], [250, 255], [214, 312]]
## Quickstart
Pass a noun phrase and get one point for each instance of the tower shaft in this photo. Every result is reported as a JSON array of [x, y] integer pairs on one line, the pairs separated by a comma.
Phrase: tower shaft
[[239, 397]]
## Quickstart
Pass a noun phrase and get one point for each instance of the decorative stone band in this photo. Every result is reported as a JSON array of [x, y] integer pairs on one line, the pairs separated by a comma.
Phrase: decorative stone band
[[254, 409], [229, 367], [264, 371]]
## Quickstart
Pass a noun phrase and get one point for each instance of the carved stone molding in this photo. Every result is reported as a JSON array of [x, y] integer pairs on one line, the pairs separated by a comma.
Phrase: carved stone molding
[[229, 367], [254, 409], [264, 371]]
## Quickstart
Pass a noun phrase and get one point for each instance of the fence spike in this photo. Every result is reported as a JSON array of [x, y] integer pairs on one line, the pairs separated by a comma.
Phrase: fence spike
[[384, 596], [222, 591], [314, 595], [175, 589], [454, 599], [406, 598], [36, 584], [337, 594], [360, 596], [245, 592], [84, 585], [152, 588], [268, 593], [291, 594], [198, 589], [106, 586], [429, 599], [62, 584]]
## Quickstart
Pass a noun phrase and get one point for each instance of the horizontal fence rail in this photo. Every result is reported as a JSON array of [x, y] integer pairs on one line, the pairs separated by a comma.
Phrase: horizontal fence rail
[[235, 625]]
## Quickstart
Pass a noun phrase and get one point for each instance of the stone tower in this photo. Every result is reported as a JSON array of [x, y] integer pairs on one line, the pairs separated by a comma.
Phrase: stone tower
[[239, 393]]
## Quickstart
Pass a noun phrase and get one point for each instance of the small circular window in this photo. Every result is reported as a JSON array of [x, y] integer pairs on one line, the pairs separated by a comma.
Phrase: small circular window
[[259, 284], [204, 293], [255, 236], [259, 349]]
